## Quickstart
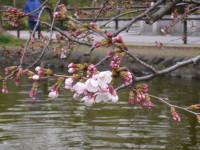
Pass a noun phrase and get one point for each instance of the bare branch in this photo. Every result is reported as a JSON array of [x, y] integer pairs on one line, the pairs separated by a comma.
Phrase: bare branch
[[66, 35]]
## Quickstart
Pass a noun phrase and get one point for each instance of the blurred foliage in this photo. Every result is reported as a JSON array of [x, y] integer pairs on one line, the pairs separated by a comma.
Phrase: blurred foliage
[[9, 40]]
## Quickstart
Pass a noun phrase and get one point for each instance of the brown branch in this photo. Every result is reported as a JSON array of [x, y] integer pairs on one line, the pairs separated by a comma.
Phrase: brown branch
[[165, 71], [162, 11], [66, 35], [192, 1], [171, 105], [104, 4], [134, 19], [141, 62], [120, 15]]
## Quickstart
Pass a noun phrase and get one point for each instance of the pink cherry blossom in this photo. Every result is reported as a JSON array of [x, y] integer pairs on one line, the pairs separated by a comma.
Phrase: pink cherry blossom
[[72, 70], [53, 94], [68, 83]]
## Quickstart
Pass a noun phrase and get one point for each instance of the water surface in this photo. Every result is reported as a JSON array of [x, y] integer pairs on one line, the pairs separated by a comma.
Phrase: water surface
[[65, 124]]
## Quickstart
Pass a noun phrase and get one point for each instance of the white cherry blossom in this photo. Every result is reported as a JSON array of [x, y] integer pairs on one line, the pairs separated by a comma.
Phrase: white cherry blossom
[[92, 85], [104, 78], [36, 77], [114, 98], [79, 88], [102, 96], [89, 101]]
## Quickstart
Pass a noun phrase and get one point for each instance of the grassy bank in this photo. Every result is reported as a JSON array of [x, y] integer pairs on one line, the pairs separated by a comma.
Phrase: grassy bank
[[9, 41], [14, 43]]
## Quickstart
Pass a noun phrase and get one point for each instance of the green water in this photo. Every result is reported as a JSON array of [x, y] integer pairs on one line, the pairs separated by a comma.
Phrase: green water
[[65, 124]]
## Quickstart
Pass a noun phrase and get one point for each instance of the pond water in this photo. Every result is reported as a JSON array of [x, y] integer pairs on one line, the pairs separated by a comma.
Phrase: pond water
[[65, 124]]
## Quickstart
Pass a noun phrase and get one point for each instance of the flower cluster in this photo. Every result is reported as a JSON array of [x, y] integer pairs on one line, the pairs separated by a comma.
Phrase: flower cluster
[[158, 44], [194, 107], [14, 15], [139, 95], [62, 13], [41, 72], [175, 115], [55, 90], [4, 88], [174, 14], [165, 30], [93, 89], [61, 52]]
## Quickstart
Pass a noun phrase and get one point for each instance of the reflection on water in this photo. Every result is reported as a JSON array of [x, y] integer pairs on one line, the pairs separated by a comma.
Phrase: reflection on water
[[65, 124]]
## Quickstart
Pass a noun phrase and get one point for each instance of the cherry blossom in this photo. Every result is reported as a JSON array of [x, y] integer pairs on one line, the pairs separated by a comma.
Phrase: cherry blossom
[[79, 88], [53, 94], [104, 78], [36, 77], [92, 85], [102, 96], [68, 83]]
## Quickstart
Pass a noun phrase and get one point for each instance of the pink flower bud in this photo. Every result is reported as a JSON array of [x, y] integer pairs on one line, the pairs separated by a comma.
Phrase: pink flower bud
[[131, 100], [53, 94], [61, 6], [149, 104], [72, 65], [57, 15], [117, 39], [72, 70], [93, 25], [110, 53], [33, 94], [97, 44], [38, 68], [113, 65], [109, 35], [117, 57], [92, 68], [175, 115], [4, 89], [16, 80]]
